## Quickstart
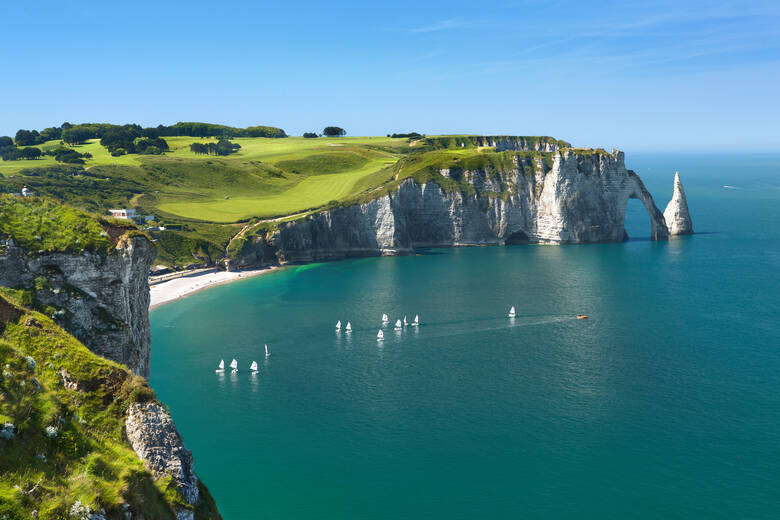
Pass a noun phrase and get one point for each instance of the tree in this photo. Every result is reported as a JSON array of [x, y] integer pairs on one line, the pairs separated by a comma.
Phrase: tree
[[310, 135], [26, 137], [50, 134], [76, 135], [6, 142], [334, 131], [31, 153]]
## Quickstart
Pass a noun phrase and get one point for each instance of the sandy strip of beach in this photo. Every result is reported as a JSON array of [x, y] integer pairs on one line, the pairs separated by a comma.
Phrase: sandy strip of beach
[[172, 290]]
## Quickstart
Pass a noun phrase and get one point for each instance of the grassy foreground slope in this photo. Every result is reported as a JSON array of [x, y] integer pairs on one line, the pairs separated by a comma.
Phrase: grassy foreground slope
[[63, 451]]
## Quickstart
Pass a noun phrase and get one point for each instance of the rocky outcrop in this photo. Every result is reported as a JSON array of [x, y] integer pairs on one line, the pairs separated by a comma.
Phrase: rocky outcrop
[[676, 214], [579, 198], [156, 441], [102, 298]]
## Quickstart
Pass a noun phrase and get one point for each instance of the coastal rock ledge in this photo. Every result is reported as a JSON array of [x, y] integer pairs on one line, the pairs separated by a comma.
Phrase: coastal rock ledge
[[676, 214], [155, 439]]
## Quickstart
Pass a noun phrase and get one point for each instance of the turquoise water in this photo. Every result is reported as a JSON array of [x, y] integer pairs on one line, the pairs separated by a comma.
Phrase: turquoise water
[[665, 403]]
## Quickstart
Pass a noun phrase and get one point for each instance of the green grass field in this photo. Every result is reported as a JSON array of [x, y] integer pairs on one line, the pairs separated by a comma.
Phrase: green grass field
[[266, 178]]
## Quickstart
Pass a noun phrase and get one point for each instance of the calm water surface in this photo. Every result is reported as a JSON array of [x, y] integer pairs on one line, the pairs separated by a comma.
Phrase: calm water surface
[[665, 403]]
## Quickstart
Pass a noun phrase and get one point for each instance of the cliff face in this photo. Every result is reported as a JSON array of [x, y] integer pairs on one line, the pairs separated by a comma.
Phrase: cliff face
[[101, 298], [579, 198], [676, 214]]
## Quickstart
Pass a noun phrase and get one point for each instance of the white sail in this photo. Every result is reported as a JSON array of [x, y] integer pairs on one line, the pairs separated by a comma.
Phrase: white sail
[[266, 351], [338, 325], [253, 366], [221, 367], [234, 364], [512, 312], [349, 327], [380, 335], [398, 324], [416, 320], [405, 322], [385, 319]]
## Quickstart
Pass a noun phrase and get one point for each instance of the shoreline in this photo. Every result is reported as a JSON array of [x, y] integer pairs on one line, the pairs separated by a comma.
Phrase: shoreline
[[175, 289]]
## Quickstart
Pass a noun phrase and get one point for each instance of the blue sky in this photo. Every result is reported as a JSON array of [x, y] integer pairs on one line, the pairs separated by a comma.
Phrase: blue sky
[[637, 76]]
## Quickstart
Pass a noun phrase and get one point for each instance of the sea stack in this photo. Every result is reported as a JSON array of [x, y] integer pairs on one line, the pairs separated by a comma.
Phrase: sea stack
[[676, 214]]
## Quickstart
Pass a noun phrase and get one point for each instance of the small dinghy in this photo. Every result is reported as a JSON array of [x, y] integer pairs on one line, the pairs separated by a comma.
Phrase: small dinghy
[[234, 366], [266, 351], [385, 319], [398, 325], [405, 322], [349, 327], [416, 321], [512, 312], [582, 317], [380, 336], [338, 325], [221, 367], [253, 367]]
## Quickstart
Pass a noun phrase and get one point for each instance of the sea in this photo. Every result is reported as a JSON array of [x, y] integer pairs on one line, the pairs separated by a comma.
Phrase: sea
[[664, 403]]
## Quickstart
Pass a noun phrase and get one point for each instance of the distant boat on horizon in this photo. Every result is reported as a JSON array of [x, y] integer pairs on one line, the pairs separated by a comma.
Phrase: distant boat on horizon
[[380, 335], [405, 322], [221, 367], [385, 319], [349, 327], [266, 351], [253, 367], [398, 325], [338, 325], [512, 312], [416, 321], [234, 365]]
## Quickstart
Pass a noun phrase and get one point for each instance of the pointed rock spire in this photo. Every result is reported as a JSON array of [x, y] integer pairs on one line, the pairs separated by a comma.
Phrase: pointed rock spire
[[676, 214]]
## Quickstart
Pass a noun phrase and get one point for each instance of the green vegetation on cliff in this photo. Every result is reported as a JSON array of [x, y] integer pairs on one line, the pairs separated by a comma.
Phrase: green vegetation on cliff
[[62, 446], [203, 201]]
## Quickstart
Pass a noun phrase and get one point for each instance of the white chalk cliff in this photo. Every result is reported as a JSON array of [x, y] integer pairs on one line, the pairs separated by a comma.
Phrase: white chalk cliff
[[676, 214], [564, 197]]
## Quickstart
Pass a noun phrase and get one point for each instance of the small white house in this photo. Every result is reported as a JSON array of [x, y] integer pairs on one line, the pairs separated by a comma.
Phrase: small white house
[[123, 213]]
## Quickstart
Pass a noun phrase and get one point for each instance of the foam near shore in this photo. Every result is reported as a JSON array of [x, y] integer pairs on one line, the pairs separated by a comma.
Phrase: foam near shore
[[177, 288]]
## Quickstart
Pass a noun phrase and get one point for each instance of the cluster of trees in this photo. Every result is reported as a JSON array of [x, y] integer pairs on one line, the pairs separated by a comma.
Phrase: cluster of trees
[[68, 155], [221, 147], [212, 130], [77, 134], [334, 131], [410, 135], [10, 152], [132, 139], [310, 135]]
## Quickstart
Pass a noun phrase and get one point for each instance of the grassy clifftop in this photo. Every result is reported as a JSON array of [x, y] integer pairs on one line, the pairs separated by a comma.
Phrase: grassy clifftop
[[62, 409], [203, 201]]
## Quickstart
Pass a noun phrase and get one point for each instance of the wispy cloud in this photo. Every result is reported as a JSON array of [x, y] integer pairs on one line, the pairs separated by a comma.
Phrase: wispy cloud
[[442, 25]]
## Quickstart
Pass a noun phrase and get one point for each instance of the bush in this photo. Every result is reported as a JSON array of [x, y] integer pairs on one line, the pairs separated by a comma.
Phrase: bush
[[334, 131], [116, 152], [310, 135]]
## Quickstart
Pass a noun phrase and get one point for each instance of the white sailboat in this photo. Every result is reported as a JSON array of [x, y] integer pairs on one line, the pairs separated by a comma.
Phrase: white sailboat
[[385, 319], [221, 367], [512, 312], [253, 367], [405, 322], [349, 327], [398, 325], [380, 335], [234, 366], [338, 325], [266, 351], [416, 320]]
